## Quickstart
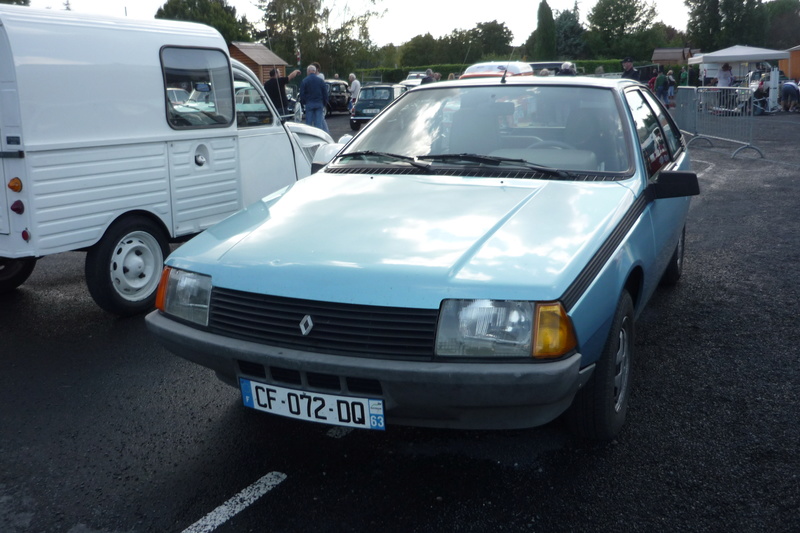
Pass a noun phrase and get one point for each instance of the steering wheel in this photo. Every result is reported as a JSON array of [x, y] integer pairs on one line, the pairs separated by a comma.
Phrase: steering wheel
[[552, 144]]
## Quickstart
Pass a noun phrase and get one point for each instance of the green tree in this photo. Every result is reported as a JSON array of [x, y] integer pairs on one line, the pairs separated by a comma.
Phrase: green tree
[[460, 46], [570, 42], [715, 24], [617, 27], [544, 38], [783, 21], [215, 13], [292, 29], [704, 23], [494, 38], [419, 51], [743, 22]]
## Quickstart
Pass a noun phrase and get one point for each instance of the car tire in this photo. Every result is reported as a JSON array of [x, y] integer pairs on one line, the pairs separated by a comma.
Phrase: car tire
[[675, 267], [14, 272], [124, 268], [355, 126], [599, 409]]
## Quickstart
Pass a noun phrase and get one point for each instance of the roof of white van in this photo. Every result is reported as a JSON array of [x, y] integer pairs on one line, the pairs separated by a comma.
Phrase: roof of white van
[[11, 14]]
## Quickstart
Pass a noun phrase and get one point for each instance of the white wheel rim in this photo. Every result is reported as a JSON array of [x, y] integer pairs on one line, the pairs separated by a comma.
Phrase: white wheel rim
[[135, 266]]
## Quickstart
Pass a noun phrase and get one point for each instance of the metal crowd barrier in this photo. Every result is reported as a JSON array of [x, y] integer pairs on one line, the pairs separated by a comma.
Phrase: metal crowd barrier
[[723, 113]]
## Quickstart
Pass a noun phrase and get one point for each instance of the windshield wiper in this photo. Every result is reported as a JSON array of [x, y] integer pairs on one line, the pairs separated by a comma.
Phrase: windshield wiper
[[497, 161], [408, 159]]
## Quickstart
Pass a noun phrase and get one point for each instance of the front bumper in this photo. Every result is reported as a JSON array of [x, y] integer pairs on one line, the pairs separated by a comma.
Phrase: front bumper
[[433, 394]]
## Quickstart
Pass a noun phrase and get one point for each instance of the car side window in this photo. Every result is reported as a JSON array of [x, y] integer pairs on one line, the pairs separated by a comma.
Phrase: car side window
[[206, 75], [651, 137], [671, 132], [251, 109]]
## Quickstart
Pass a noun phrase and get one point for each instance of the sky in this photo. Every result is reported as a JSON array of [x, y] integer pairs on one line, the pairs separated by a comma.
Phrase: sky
[[403, 19]]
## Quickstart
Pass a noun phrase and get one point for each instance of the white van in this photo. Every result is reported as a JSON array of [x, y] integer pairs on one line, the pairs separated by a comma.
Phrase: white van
[[120, 136]]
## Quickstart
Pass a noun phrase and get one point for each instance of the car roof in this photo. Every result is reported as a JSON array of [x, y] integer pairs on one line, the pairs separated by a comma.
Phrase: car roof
[[497, 68], [379, 85], [577, 81]]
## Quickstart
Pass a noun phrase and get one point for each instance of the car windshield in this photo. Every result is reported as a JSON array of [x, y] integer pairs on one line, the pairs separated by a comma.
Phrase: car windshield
[[562, 127], [376, 93]]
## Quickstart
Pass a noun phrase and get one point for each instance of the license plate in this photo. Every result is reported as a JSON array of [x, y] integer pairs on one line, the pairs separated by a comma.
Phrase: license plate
[[365, 413], [371, 111]]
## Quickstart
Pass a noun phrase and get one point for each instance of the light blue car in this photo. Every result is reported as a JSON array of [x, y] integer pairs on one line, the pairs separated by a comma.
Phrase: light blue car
[[476, 258]]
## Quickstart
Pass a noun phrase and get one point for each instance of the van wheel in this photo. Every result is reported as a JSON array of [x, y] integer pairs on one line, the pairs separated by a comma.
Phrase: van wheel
[[599, 409], [14, 272], [123, 269], [355, 126]]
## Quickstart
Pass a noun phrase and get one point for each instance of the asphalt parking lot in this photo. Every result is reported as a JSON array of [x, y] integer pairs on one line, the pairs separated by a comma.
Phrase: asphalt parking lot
[[101, 430]]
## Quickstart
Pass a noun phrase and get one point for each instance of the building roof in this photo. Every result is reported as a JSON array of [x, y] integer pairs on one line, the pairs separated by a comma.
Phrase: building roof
[[259, 53]]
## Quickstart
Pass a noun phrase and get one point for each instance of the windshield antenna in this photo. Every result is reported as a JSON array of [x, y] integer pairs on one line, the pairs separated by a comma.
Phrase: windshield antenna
[[503, 79]]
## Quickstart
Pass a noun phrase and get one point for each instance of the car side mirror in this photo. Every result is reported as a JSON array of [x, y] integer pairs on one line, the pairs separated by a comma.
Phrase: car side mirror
[[324, 155], [676, 184]]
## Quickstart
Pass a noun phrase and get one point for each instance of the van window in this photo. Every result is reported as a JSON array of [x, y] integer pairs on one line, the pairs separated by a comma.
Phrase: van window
[[251, 109], [206, 76]]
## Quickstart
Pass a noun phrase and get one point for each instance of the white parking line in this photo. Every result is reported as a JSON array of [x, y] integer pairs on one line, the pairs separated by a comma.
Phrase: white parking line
[[237, 504]]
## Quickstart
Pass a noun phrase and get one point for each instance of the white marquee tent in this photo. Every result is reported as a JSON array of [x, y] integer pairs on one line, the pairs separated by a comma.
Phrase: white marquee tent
[[739, 54]]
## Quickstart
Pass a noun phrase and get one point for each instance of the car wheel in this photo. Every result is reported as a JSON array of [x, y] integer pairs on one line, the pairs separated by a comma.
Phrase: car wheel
[[355, 126], [14, 272], [599, 409], [123, 269], [675, 268]]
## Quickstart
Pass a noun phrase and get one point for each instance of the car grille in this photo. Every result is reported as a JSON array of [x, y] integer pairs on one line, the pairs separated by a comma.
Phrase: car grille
[[342, 329]]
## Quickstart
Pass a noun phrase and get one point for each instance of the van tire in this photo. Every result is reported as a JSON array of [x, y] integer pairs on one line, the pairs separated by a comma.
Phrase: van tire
[[123, 269], [14, 272]]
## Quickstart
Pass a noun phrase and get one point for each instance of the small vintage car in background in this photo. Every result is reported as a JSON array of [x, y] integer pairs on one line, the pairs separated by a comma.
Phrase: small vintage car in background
[[338, 96], [476, 258], [372, 100]]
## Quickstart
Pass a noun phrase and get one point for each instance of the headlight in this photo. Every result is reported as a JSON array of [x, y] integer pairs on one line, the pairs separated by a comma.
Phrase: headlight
[[500, 328], [184, 295]]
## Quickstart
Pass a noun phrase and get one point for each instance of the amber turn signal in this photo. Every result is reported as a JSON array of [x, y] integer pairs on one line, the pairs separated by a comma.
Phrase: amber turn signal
[[553, 335], [15, 184]]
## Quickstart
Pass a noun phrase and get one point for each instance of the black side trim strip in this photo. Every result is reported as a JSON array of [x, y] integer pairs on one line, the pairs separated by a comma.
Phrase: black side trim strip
[[19, 154], [592, 269]]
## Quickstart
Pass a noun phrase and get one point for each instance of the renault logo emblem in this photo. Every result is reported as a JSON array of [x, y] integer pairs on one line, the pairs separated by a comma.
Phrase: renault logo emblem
[[306, 325]]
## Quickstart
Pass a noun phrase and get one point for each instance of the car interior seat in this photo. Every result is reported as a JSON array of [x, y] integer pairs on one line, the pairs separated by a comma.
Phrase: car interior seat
[[476, 129], [598, 131]]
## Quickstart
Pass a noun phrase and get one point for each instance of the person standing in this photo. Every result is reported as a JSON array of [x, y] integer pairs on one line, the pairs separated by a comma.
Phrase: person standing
[[428, 77], [313, 95], [326, 104], [671, 84], [628, 71], [355, 89], [662, 85], [684, 81], [276, 90], [725, 77]]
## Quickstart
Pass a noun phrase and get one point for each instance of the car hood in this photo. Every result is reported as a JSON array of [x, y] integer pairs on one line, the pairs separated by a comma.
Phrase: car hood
[[410, 241]]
